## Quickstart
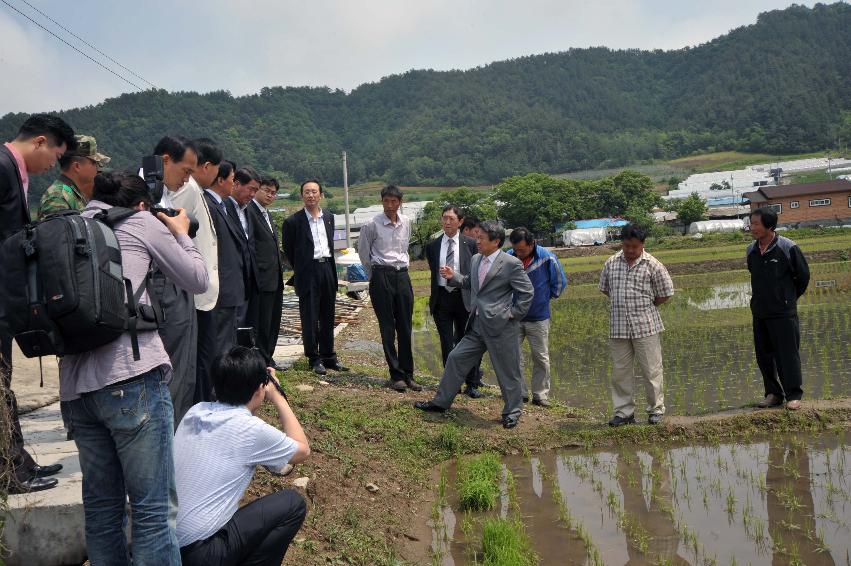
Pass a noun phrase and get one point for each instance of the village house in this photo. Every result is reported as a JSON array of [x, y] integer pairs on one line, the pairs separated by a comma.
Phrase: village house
[[825, 203]]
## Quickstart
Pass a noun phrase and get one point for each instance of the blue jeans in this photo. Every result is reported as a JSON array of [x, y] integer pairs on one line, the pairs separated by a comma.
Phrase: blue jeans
[[124, 436]]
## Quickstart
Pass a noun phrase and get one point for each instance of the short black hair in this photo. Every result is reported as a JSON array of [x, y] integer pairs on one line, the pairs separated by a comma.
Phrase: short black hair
[[236, 375], [469, 222], [631, 231], [208, 151], [121, 188], [767, 216], [391, 191], [454, 209], [521, 233], [245, 175], [301, 189], [68, 159], [173, 146], [494, 230], [226, 167], [270, 181], [52, 127]]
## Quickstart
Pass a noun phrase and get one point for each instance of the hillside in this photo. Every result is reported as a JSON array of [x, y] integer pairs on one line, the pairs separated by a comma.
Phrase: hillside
[[777, 86]]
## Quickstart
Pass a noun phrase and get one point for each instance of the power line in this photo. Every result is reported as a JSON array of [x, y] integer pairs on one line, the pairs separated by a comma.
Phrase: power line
[[71, 33], [86, 55]]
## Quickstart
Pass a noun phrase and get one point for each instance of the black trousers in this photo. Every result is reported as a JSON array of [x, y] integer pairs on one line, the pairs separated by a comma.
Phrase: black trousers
[[18, 459], [179, 333], [393, 302], [216, 334], [777, 343], [257, 534], [317, 305], [269, 321], [450, 318]]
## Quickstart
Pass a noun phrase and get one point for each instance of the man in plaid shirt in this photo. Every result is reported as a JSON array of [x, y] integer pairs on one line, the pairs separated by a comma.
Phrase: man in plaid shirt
[[636, 284]]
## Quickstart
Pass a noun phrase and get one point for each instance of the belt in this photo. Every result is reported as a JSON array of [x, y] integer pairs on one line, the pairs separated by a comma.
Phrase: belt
[[322, 259], [446, 288], [390, 267]]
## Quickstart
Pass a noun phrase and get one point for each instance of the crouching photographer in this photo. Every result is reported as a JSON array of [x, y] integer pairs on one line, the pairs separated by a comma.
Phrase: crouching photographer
[[216, 449], [117, 404]]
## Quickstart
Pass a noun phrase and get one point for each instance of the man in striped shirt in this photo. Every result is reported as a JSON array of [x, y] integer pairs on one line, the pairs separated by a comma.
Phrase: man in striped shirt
[[636, 284]]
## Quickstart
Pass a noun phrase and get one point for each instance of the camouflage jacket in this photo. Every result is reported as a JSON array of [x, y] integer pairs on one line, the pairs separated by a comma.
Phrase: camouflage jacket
[[63, 194]]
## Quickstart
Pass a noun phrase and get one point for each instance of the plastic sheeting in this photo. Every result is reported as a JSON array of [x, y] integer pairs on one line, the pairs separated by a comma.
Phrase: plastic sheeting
[[584, 237], [705, 226]]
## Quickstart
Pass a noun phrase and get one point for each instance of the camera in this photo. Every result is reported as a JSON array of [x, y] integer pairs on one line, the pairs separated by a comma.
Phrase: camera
[[152, 168]]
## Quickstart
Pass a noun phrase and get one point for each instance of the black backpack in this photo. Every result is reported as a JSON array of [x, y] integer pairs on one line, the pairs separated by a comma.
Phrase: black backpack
[[62, 290]]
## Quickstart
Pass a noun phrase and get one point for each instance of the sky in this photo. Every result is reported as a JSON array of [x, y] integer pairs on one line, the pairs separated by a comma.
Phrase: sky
[[242, 46]]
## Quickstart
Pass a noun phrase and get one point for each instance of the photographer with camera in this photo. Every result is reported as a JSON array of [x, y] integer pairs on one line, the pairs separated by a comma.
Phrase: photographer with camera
[[179, 330], [216, 449], [118, 407]]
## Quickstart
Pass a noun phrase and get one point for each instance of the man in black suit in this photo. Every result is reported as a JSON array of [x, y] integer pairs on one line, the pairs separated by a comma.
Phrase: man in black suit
[[40, 142], [309, 245], [233, 277], [270, 269], [450, 306], [246, 183]]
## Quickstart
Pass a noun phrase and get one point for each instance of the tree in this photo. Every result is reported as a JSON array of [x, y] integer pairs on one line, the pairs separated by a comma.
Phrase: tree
[[531, 201], [691, 209]]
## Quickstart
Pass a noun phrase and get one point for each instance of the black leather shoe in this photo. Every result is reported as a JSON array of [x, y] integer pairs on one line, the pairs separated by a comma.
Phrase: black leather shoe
[[44, 471], [473, 392], [336, 366], [541, 402], [413, 385], [275, 366], [620, 421], [319, 369], [525, 399], [510, 422], [428, 406], [32, 484]]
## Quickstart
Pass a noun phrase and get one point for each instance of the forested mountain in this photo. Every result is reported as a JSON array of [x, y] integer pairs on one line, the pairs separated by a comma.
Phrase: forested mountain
[[777, 86]]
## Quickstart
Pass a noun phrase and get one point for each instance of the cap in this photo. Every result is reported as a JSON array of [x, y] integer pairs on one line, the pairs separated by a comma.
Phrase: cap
[[87, 146]]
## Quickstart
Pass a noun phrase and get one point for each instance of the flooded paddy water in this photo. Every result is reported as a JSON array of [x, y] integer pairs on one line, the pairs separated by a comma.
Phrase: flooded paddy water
[[707, 347], [774, 500]]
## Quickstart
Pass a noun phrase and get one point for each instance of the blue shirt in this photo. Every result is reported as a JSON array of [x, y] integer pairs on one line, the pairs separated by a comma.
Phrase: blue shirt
[[549, 280]]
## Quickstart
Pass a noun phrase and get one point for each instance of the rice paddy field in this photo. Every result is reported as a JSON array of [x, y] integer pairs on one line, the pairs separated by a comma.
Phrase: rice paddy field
[[707, 347]]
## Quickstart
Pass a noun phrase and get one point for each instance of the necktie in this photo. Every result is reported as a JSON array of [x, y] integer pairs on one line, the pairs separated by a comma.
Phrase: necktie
[[450, 253], [483, 270]]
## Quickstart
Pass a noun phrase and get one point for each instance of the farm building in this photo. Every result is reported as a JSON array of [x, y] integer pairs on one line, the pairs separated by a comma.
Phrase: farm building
[[826, 203]]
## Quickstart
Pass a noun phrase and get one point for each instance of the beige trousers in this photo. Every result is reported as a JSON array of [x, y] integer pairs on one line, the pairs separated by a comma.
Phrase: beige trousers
[[538, 334], [648, 352]]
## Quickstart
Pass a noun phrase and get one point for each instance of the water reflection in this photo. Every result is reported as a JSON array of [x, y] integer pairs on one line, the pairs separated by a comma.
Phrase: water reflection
[[730, 296]]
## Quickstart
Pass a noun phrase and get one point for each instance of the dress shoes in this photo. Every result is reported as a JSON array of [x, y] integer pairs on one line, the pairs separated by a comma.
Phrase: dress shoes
[[44, 471], [399, 385], [541, 402], [336, 366], [617, 420], [770, 400], [318, 368], [473, 392], [275, 366], [33, 484], [525, 399], [793, 405], [510, 421], [413, 385], [429, 407], [655, 418]]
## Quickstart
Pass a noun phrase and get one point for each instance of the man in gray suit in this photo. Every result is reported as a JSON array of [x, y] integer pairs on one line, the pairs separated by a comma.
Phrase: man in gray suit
[[501, 294]]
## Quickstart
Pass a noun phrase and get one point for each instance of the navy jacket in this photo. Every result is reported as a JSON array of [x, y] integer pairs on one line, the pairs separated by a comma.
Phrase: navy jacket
[[549, 280], [778, 278]]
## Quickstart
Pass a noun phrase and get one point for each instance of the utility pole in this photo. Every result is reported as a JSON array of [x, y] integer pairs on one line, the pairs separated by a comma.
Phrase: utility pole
[[346, 193]]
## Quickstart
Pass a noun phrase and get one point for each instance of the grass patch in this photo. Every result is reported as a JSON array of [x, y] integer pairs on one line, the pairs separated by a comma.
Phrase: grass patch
[[505, 543], [478, 482]]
